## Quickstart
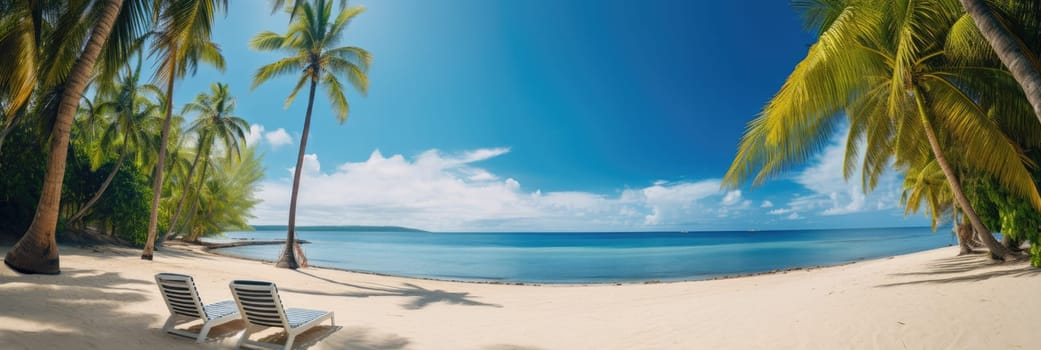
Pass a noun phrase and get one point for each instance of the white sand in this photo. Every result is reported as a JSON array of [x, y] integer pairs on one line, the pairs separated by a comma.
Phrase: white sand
[[107, 298]]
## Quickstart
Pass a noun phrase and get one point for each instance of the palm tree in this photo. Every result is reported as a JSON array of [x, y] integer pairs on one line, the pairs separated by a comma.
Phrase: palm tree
[[133, 118], [228, 195], [37, 251], [883, 65], [1011, 50], [215, 123], [311, 39], [20, 40], [926, 185], [182, 41]]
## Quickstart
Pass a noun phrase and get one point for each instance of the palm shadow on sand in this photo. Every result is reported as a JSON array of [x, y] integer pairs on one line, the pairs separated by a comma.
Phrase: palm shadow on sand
[[962, 269], [97, 297], [421, 297]]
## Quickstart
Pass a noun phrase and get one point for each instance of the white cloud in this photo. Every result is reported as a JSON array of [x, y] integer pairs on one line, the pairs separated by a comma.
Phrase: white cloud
[[830, 193], [254, 134], [311, 165], [278, 138], [767, 204], [732, 197], [441, 191]]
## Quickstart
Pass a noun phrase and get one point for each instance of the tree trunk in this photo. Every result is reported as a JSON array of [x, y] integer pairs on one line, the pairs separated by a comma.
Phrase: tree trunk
[[198, 198], [104, 185], [288, 258], [997, 251], [184, 196], [1010, 243], [188, 219], [37, 250], [964, 233], [1013, 55], [157, 185]]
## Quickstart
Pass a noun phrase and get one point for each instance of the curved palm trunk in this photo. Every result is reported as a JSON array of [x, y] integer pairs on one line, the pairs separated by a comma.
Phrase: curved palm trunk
[[997, 251], [157, 185], [963, 232], [288, 258], [195, 205], [104, 185], [187, 227], [1011, 53], [37, 250], [184, 197]]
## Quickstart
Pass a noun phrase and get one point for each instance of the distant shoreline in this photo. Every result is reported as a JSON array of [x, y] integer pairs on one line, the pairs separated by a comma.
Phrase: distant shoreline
[[359, 228], [347, 228]]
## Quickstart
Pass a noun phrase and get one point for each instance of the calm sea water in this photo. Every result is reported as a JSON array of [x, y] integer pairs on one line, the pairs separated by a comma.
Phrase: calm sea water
[[592, 257]]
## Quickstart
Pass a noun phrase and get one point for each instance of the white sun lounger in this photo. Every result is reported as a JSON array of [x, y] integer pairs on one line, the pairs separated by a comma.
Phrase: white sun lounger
[[261, 307], [185, 305]]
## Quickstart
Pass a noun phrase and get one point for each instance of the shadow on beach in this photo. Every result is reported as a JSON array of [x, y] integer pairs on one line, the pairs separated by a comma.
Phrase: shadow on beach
[[358, 338], [85, 304], [964, 269], [421, 296]]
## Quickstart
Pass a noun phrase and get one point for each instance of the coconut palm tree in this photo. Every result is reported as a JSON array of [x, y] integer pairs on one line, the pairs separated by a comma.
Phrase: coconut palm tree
[[311, 40], [214, 124], [115, 25], [1018, 57], [132, 120], [181, 42], [882, 64]]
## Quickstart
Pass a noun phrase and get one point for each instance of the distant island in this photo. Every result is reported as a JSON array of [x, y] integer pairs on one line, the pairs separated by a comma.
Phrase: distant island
[[347, 228]]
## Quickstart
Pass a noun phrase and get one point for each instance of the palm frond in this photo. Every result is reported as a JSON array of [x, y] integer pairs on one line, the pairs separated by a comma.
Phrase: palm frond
[[336, 98], [278, 68]]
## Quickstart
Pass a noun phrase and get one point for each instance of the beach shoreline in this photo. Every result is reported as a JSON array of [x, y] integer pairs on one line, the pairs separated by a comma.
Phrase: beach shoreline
[[106, 298], [216, 250]]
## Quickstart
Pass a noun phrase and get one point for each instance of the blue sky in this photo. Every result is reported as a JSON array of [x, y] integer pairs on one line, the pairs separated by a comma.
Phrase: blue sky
[[543, 116]]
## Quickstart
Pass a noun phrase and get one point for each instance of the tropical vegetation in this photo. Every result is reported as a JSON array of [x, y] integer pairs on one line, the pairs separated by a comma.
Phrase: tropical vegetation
[[920, 93], [70, 93]]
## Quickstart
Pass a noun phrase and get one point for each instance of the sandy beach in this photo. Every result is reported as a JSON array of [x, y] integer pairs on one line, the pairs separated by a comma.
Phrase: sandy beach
[[106, 298]]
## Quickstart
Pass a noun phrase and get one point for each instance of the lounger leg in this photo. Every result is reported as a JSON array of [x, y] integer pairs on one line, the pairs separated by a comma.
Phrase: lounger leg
[[202, 333], [245, 336], [332, 319], [170, 323], [289, 341]]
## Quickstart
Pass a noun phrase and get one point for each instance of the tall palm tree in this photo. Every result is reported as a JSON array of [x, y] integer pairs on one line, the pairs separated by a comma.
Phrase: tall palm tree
[[37, 251], [1011, 50], [182, 42], [215, 123], [882, 64], [132, 120], [312, 39]]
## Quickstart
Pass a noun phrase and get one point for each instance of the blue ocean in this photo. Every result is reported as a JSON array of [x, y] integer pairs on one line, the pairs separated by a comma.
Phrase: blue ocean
[[591, 257]]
